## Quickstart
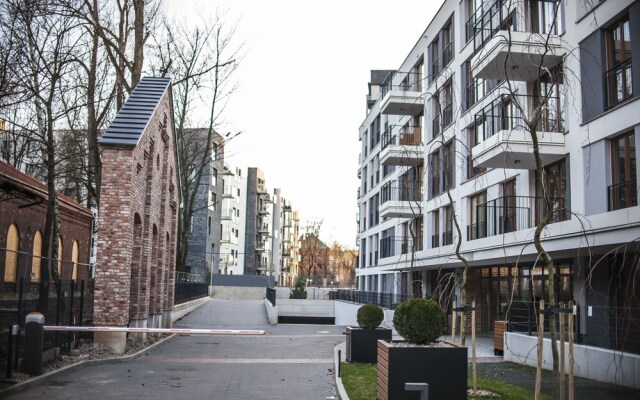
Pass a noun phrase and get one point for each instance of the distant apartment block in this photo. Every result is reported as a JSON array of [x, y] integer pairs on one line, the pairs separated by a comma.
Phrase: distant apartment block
[[233, 221]]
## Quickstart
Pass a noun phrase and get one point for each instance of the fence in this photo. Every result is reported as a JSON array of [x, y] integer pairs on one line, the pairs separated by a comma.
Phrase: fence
[[384, 300], [187, 291], [271, 296], [67, 302]]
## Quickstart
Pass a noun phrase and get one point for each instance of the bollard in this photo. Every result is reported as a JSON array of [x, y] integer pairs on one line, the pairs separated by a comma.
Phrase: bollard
[[13, 331], [423, 388], [33, 343]]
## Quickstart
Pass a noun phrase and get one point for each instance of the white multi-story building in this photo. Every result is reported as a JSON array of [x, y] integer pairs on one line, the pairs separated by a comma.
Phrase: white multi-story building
[[289, 262], [232, 221], [446, 139]]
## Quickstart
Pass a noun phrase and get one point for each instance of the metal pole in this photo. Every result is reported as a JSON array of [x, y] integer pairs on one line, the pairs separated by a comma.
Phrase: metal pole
[[20, 310]]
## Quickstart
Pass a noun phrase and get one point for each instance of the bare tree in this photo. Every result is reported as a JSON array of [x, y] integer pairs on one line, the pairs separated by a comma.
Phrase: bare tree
[[313, 251], [202, 60]]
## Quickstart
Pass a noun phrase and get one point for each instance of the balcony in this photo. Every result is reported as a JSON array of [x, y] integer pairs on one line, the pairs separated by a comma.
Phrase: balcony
[[227, 214], [402, 94], [264, 210], [622, 195], [264, 230], [397, 246], [402, 145], [227, 191], [513, 213], [227, 237], [506, 139], [516, 44], [401, 199]]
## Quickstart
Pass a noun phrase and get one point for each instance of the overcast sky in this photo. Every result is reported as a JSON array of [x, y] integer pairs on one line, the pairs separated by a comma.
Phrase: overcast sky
[[302, 92]]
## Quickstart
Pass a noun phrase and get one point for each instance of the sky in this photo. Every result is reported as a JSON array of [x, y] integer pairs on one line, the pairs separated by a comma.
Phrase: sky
[[302, 88]]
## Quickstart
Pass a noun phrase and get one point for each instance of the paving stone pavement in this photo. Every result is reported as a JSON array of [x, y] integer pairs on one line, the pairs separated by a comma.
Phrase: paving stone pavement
[[289, 362]]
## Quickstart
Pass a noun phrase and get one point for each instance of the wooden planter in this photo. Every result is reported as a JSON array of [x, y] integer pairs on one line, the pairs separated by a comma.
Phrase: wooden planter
[[362, 344], [443, 368], [499, 328]]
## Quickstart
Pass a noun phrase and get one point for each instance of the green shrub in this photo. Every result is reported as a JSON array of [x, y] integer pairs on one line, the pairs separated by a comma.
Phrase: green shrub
[[299, 291], [370, 316], [420, 321]]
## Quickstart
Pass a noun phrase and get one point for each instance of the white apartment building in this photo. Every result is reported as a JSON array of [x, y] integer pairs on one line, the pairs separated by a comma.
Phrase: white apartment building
[[232, 221], [290, 233], [446, 135]]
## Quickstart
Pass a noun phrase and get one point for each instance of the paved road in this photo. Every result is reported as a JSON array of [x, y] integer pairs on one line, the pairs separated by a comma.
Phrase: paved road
[[290, 362]]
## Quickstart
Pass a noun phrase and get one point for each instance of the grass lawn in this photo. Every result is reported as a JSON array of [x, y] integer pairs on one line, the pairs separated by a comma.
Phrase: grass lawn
[[359, 381]]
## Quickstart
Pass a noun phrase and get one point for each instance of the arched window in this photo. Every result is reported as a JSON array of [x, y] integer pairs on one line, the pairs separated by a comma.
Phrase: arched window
[[60, 256], [11, 255], [36, 260], [74, 260]]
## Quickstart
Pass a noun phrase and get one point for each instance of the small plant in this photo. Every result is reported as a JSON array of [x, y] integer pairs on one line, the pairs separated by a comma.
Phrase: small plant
[[299, 291], [420, 321], [370, 316]]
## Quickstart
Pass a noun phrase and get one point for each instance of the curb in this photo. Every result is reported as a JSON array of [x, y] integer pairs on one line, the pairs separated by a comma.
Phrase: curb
[[342, 393], [38, 380]]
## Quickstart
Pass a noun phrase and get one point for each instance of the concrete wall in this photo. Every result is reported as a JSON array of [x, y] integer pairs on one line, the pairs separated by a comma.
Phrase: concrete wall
[[272, 312], [313, 293], [590, 362], [180, 310], [237, 292], [306, 308], [346, 313], [241, 280]]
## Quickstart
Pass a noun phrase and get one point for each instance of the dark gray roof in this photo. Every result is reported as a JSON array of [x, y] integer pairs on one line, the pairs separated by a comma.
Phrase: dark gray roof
[[132, 119]]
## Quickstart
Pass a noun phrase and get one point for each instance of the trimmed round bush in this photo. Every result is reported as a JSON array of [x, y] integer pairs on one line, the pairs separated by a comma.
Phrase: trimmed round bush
[[420, 321], [370, 316]]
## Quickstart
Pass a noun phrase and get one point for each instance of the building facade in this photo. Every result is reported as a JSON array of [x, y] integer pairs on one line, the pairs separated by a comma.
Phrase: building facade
[[448, 140], [205, 237], [258, 224], [233, 221], [290, 233]]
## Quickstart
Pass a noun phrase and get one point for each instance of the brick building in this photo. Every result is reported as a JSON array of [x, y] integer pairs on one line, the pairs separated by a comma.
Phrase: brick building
[[23, 206], [135, 271]]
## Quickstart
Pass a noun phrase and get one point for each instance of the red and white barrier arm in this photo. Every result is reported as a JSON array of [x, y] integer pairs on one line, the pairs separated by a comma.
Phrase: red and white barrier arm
[[183, 331]]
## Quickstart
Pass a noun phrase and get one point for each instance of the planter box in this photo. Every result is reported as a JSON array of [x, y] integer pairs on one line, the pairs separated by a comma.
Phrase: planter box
[[362, 344], [499, 328], [443, 368]]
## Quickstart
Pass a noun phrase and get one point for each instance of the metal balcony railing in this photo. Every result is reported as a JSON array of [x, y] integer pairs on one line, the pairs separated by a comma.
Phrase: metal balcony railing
[[401, 135], [619, 83], [401, 191], [537, 17], [512, 213], [622, 195], [447, 54], [503, 114], [403, 82], [435, 241], [473, 171], [447, 238]]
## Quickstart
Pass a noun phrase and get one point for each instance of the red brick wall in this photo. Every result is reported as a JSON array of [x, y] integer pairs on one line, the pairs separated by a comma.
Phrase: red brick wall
[[138, 180], [75, 224]]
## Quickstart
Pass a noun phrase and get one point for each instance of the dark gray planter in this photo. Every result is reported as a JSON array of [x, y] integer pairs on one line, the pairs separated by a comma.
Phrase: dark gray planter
[[443, 368], [362, 344]]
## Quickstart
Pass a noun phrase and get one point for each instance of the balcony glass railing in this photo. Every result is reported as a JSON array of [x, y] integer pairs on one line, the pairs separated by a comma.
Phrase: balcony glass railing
[[401, 191], [619, 83], [622, 195], [401, 135], [513, 213], [504, 114], [403, 82]]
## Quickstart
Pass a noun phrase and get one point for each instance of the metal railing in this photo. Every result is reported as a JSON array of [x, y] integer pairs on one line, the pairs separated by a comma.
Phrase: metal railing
[[187, 291], [618, 83], [622, 195], [401, 191], [435, 241], [503, 114], [473, 171], [384, 300], [447, 238], [513, 213], [505, 15], [401, 135], [435, 126], [398, 245], [403, 82], [447, 54]]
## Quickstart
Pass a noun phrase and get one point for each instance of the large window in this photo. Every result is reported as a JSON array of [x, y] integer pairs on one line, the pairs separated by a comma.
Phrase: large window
[[449, 161], [555, 187], [478, 216], [11, 254], [36, 259], [623, 191], [618, 79]]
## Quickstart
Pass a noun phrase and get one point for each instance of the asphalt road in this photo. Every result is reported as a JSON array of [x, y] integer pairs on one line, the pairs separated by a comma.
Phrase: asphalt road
[[289, 362]]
